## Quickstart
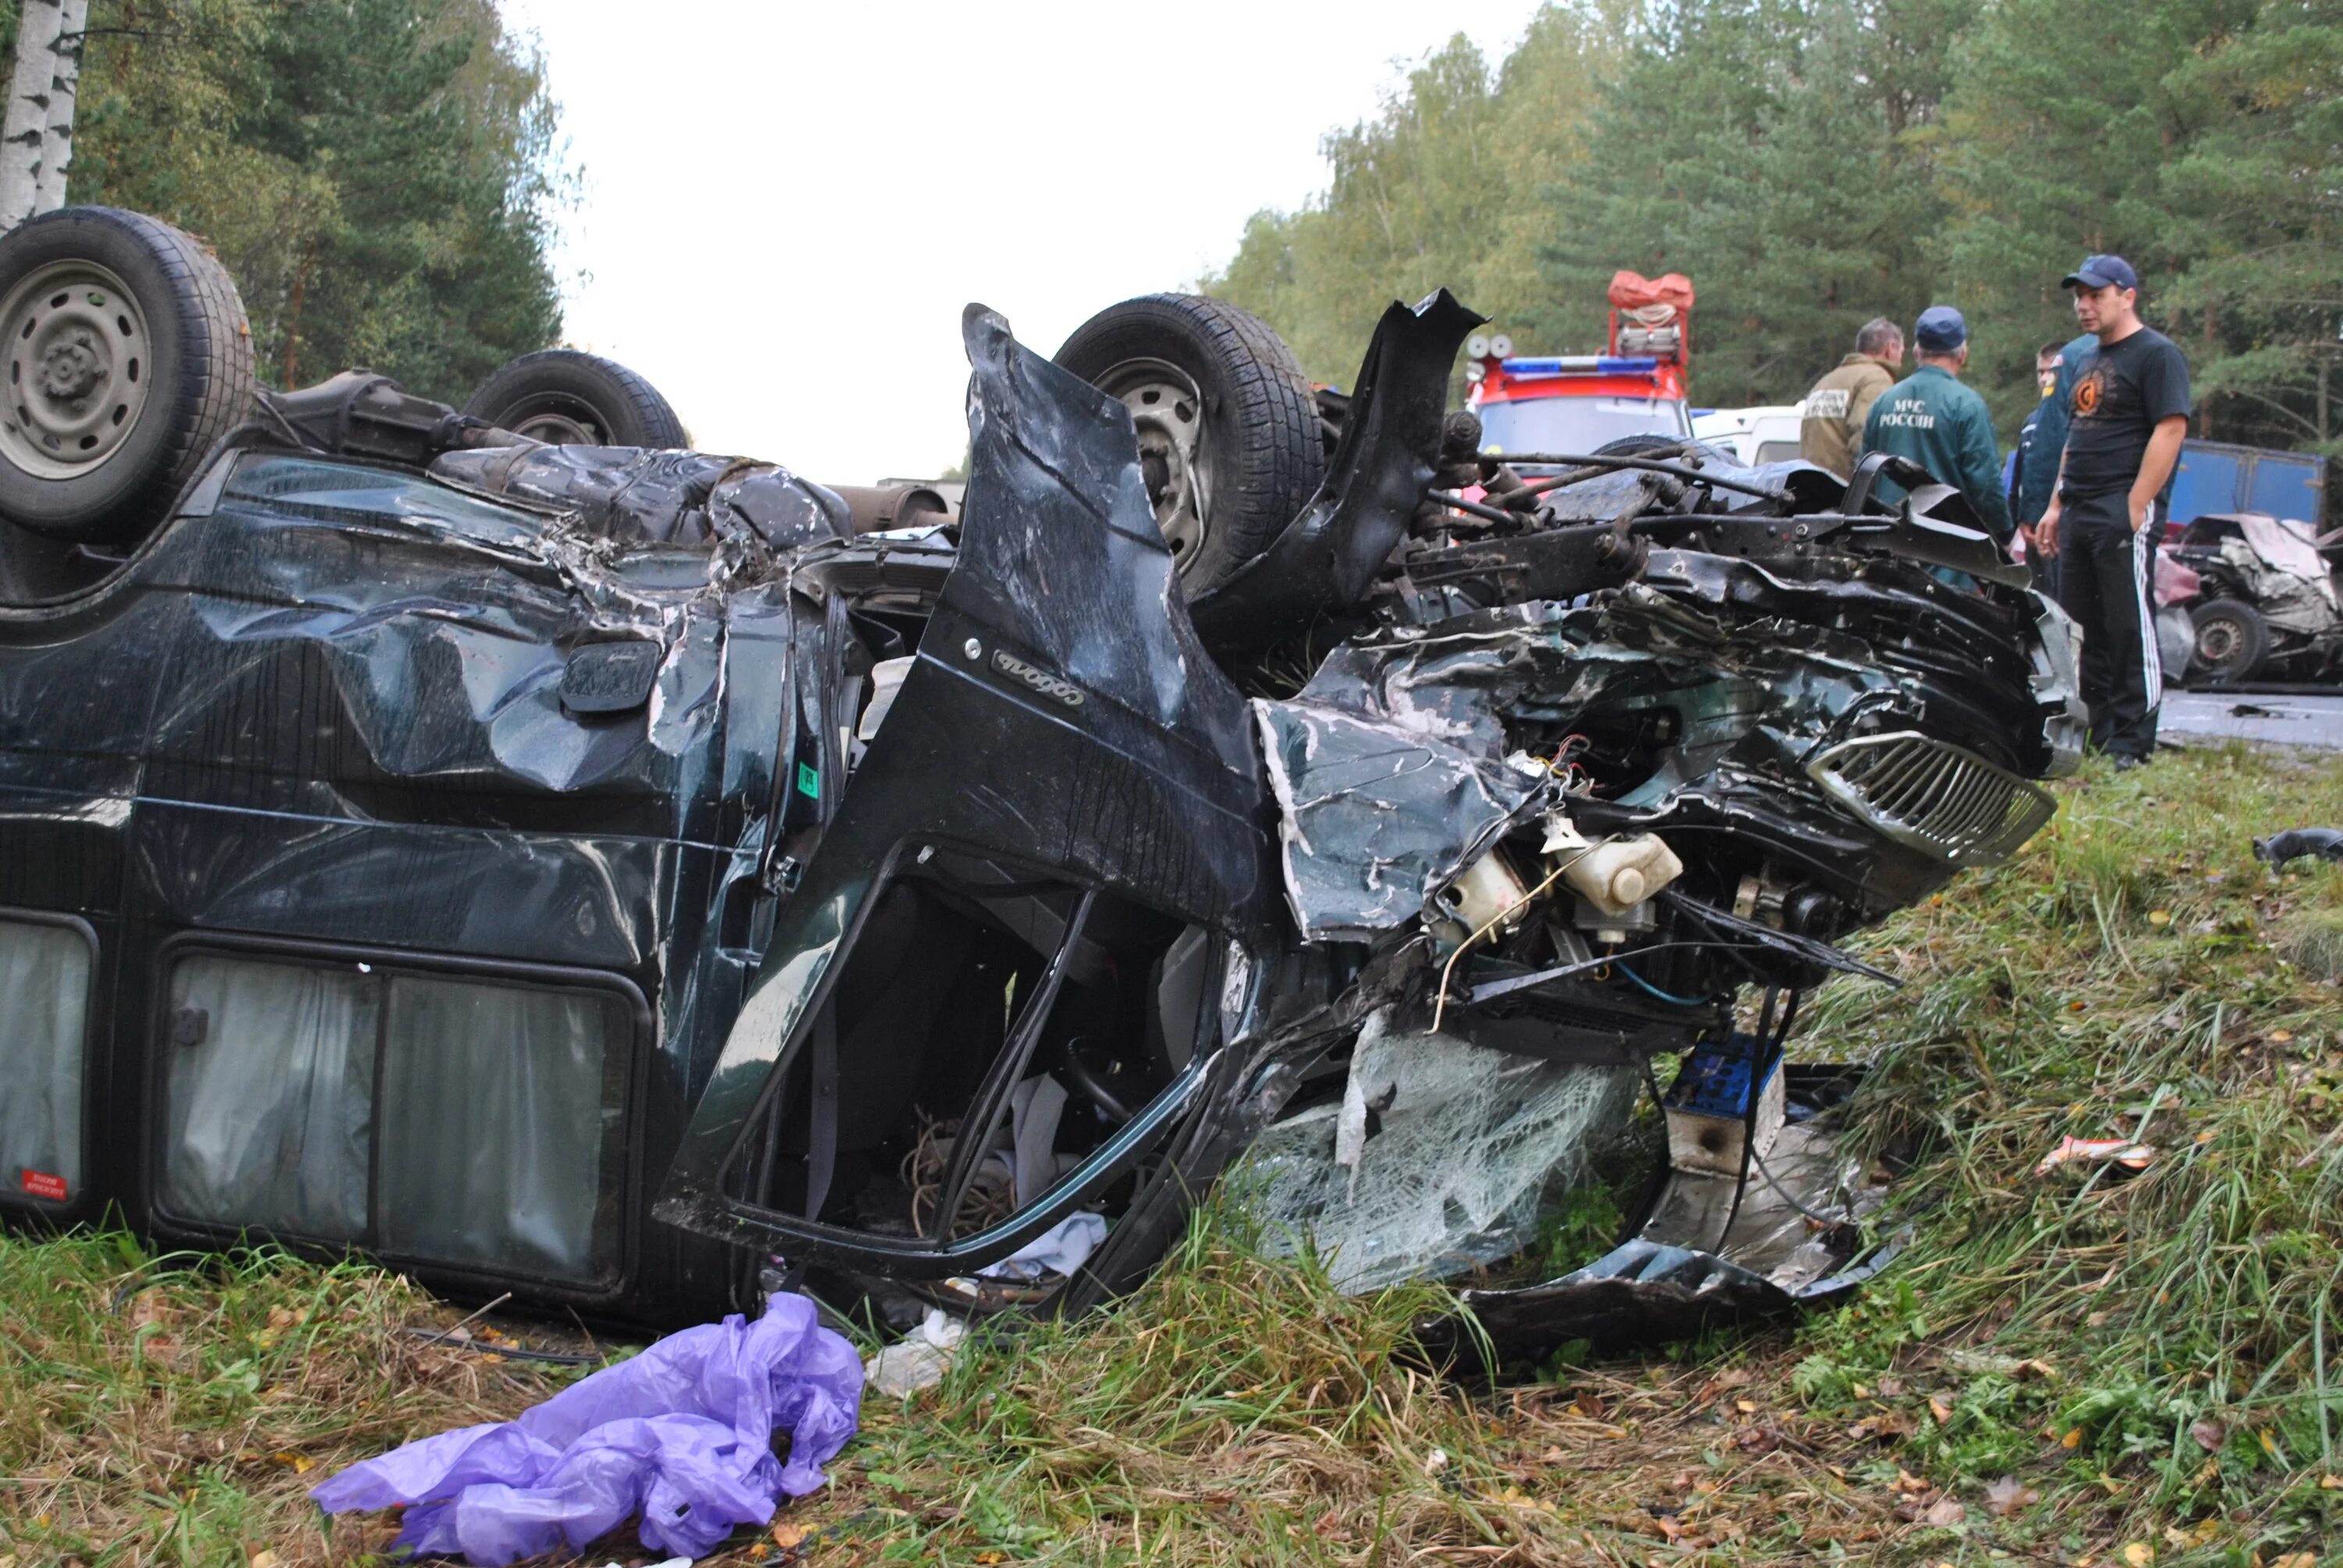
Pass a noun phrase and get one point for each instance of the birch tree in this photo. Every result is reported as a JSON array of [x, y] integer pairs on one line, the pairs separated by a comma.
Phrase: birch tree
[[37, 133]]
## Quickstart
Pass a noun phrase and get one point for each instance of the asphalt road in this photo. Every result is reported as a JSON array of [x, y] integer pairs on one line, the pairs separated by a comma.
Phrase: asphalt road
[[2269, 719]]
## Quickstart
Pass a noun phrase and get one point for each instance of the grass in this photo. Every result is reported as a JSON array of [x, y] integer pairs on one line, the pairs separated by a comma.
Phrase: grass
[[2080, 1367]]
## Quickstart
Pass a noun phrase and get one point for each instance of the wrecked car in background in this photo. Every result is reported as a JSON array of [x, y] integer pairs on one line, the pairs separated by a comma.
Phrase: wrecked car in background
[[2265, 603], [612, 876]]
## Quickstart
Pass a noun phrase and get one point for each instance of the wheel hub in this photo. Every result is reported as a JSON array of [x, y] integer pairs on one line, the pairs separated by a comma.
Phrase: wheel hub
[[2216, 642], [1168, 412], [559, 429], [72, 369], [77, 369]]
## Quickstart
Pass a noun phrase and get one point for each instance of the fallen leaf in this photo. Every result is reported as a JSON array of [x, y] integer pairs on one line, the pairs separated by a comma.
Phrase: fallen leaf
[[2074, 1439], [1944, 1511], [1891, 1388], [2159, 918], [1746, 1406], [789, 1535], [2281, 1035], [1940, 1410], [2331, 1483], [1907, 1482], [262, 1559], [2139, 1554], [2297, 1560], [2010, 1495], [2209, 1434], [992, 1557]]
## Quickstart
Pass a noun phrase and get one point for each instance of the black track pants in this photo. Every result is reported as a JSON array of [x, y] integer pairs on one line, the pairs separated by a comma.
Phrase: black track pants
[[2104, 573]]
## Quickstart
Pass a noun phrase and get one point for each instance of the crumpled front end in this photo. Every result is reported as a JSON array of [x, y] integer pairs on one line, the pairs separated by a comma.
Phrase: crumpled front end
[[1398, 861]]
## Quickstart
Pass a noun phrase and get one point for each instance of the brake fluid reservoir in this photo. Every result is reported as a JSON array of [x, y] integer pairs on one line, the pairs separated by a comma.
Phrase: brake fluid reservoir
[[1617, 874]]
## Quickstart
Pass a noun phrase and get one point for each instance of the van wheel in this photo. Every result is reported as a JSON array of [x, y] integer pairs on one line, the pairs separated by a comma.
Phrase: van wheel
[[127, 355], [1229, 441], [566, 398]]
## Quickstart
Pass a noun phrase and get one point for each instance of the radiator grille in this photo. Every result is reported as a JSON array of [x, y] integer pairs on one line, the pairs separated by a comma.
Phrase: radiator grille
[[1934, 797]]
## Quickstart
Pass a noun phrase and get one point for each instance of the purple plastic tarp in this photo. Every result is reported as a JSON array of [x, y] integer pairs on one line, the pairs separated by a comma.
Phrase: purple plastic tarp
[[681, 1434]]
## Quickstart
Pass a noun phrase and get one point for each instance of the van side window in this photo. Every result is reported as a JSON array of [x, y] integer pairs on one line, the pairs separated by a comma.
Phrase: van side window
[[477, 1123], [45, 971]]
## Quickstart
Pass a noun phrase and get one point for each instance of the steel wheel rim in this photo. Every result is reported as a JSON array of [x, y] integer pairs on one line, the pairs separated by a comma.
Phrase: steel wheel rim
[[558, 429], [2217, 642], [79, 369], [1168, 412]]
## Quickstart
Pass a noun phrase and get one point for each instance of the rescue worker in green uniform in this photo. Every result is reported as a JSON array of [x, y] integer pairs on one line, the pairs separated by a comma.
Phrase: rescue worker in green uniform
[[1931, 419]]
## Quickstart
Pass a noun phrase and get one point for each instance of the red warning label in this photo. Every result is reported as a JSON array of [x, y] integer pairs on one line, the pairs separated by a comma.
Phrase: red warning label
[[41, 1184]]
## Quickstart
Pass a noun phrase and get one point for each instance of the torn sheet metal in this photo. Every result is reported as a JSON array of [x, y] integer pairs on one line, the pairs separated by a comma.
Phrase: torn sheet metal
[[1060, 713], [1330, 554], [1390, 767], [633, 495], [1440, 1157]]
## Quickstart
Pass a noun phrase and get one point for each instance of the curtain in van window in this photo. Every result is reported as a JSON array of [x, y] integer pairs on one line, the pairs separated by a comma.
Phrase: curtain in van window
[[44, 1009], [499, 1126], [271, 1090]]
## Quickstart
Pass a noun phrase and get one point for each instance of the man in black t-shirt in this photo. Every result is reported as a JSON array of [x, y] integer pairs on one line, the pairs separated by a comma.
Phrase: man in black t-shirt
[[2128, 414]]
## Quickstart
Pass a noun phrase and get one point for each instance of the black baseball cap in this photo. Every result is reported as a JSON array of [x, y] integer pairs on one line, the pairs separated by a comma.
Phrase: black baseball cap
[[2098, 271]]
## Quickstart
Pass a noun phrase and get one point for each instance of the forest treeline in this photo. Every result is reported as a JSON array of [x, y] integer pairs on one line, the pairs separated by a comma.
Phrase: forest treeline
[[380, 176], [1811, 164]]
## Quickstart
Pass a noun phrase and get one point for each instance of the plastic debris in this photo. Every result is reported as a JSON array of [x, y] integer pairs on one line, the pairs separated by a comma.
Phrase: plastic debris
[[2295, 843], [920, 1358], [682, 1433], [2123, 1151]]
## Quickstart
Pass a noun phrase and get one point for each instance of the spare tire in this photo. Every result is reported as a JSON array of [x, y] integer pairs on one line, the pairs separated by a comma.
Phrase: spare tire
[[563, 398], [1229, 439], [129, 356]]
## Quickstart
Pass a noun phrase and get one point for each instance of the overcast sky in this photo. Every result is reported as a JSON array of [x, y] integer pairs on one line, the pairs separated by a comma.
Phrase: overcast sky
[[787, 205]]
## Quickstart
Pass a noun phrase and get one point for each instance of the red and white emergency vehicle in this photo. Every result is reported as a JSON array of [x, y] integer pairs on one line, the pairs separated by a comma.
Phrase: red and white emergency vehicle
[[1578, 404]]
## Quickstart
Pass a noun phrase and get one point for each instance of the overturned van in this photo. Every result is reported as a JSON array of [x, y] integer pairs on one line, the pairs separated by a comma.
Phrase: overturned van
[[623, 877]]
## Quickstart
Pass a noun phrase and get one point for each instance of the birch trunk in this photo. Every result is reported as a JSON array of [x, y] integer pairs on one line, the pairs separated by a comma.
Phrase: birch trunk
[[37, 128], [65, 88]]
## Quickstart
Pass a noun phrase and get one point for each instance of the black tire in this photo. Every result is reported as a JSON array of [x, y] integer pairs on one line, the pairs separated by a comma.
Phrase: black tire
[[172, 362], [2232, 642], [562, 396], [1255, 443]]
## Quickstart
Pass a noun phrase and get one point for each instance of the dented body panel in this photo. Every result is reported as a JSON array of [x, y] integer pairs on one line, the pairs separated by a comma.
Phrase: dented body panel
[[602, 875]]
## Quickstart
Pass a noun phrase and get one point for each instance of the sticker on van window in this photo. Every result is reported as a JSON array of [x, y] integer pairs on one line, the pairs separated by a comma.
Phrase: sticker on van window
[[41, 1184]]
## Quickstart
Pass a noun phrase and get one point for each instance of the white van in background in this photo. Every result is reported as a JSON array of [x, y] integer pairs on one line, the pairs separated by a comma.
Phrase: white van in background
[[1755, 436]]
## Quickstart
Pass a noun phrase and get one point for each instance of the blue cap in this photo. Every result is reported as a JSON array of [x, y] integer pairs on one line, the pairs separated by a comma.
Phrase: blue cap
[[1940, 330], [2098, 271]]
